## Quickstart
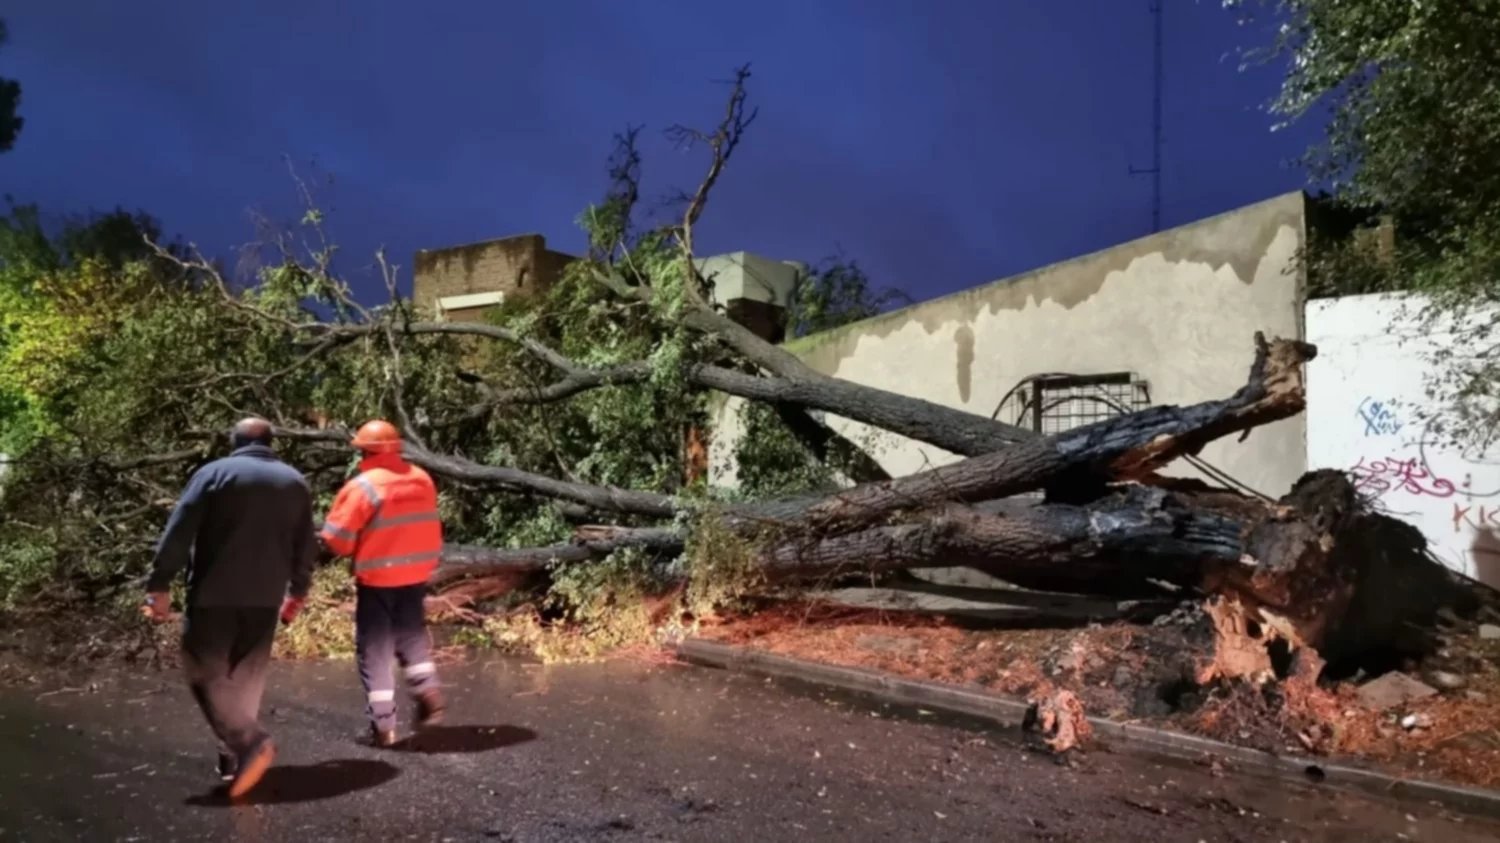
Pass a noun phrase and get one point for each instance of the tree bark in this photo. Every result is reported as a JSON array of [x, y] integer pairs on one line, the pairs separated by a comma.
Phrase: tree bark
[[1114, 546], [949, 428], [1313, 569], [462, 562]]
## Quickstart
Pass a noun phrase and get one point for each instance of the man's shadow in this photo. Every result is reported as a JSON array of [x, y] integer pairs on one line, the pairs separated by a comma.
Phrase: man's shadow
[[305, 783], [331, 779], [452, 740]]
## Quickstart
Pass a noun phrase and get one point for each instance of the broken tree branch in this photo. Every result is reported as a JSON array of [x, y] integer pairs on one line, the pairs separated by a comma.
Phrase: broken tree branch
[[1123, 448]]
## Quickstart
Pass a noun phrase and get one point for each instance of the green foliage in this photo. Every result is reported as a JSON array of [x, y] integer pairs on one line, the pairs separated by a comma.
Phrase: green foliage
[[771, 463], [598, 606], [111, 351], [26, 564], [10, 101], [628, 436], [325, 628], [837, 293], [721, 566], [595, 594], [1412, 97]]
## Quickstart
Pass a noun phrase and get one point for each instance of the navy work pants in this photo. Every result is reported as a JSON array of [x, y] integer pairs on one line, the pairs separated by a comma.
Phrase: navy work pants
[[390, 628], [226, 651]]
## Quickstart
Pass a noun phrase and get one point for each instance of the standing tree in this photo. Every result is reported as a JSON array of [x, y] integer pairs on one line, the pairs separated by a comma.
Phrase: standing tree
[[1411, 95], [10, 100], [836, 293]]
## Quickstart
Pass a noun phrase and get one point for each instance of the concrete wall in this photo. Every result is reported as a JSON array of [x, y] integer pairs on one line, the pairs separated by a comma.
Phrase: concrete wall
[[1370, 411], [742, 275], [1178, 309], [754, 291], [510, 266]]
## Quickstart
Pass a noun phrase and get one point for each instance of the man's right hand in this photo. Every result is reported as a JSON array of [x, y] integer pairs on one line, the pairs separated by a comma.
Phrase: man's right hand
[[291, 607], [158, 606]]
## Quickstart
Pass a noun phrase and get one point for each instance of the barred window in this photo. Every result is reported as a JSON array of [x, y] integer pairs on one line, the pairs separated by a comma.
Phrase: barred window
[[1053, 403]]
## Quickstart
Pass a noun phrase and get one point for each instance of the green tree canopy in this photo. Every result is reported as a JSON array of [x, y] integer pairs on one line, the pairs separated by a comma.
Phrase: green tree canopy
[[1410, 92]]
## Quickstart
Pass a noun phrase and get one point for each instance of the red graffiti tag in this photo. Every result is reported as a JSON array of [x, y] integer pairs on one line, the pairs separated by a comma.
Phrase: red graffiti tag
[[1376, 477], [1475, 518]]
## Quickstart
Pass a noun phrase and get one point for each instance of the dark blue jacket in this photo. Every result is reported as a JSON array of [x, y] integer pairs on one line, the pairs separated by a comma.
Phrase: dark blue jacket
[[243, 529]]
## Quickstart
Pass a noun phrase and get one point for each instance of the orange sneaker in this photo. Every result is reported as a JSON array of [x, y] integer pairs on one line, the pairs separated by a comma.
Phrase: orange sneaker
[[429, 709], [252, 767], [382, 738]]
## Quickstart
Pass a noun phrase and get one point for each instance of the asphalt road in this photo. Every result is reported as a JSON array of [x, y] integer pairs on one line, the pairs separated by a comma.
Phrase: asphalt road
[[621, 752]]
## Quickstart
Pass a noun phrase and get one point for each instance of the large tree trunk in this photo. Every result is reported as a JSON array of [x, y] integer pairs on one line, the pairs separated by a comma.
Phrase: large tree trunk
[[1315, 569]]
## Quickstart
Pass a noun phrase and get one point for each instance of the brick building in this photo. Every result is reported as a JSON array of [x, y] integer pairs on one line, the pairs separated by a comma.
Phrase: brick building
[[460, 283]]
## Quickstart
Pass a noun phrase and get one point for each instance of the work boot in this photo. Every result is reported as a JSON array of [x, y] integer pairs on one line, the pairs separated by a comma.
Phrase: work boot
[[253, 765], [429, 709], [382, 738], [227, 766]]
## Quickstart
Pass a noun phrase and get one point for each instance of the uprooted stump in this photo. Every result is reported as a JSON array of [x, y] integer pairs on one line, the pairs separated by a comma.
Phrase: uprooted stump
[[1057, 721]]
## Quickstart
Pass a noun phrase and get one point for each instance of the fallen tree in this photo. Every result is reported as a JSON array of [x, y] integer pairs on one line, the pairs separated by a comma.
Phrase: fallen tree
[[1303, 568], [492, 410]]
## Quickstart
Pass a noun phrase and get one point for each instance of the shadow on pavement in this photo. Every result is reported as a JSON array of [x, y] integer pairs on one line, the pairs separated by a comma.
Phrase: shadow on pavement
[[307, 783], [443, 740]]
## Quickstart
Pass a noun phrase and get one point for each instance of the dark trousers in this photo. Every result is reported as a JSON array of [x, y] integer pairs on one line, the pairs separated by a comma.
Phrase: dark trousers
[[390, 627], [225, 654]]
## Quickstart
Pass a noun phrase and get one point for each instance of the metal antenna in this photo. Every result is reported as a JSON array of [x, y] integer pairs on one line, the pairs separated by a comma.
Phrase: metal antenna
[[1156, 83]]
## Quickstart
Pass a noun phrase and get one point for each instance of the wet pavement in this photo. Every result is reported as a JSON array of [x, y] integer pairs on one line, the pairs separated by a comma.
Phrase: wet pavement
[[623, 751]]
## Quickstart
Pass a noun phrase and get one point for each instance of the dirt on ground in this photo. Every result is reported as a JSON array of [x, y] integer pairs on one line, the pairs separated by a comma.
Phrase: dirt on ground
[[1137, 673]]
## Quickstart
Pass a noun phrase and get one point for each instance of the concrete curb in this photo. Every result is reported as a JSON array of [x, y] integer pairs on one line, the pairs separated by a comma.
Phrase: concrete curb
[[1009, 712]]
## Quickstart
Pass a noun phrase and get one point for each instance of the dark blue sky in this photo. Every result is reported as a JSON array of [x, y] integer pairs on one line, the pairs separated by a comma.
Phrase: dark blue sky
[[940, 143]]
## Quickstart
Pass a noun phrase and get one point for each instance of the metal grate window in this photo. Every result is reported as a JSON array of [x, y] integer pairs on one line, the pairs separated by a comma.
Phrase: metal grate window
[[1054, 403]]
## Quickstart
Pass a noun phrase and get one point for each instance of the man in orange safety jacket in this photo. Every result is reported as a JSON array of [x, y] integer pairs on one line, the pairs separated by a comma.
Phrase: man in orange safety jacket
[[386, 519]]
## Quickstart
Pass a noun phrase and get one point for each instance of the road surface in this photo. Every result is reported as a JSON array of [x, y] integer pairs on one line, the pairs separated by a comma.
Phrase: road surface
[[624, 751]]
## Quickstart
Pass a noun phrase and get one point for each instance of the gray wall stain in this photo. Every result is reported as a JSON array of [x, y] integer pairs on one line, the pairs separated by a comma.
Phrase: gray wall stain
[[964, 340]]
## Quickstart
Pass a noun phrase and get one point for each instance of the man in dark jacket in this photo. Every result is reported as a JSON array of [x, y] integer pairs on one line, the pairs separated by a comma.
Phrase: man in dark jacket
[[243, 529]]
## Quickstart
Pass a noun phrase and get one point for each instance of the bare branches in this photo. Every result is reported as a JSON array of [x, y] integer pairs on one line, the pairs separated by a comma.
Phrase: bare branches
[[151, 460], [394, 376], [721, 142]]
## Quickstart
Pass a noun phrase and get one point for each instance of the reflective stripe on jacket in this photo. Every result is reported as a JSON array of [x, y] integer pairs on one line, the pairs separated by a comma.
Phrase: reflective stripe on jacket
[[386, 518]]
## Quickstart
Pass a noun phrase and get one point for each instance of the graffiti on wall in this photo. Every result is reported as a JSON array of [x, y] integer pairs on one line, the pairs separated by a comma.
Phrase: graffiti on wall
[[1373, 412], [1378, 476], [1378, 417], [1476, 518]]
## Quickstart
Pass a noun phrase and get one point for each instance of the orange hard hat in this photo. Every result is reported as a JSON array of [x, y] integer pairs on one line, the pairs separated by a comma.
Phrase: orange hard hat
[[377, 437]]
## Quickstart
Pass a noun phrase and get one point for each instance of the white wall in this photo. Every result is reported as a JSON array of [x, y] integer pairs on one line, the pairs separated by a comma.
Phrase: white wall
[[1369, 412]]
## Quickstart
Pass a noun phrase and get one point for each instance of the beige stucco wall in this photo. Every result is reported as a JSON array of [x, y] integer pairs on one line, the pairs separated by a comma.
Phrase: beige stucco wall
[[1179, 309]]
